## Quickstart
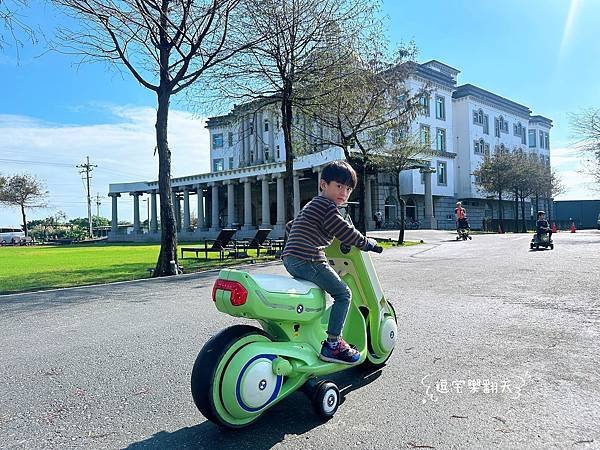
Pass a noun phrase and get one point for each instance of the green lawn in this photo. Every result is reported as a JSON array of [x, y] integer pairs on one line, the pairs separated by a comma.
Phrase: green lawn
[[25, 269]]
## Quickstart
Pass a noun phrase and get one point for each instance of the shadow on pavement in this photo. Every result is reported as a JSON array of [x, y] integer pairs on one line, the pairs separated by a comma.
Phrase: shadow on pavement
[[292, 416]]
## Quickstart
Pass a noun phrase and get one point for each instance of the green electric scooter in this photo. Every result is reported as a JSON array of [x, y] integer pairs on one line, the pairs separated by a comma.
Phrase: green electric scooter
[[244, 370]]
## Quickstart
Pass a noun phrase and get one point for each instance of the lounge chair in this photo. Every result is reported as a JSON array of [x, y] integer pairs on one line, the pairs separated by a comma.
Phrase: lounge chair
[[223, 242]]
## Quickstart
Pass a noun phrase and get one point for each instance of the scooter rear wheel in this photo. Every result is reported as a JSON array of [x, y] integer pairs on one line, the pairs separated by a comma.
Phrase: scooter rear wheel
[[209, 369]]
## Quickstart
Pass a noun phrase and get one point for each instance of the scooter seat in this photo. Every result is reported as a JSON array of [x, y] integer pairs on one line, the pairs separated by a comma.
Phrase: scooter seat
[[283, 284]]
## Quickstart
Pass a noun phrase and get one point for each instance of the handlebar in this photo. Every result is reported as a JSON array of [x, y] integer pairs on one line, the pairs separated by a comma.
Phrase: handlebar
[[346, 248]]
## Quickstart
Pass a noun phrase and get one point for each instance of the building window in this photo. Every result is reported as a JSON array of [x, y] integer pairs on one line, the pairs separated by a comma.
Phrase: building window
[[231, 162], [518, 129], [479, 147], [424, 105], [267, 153], [266, 125], [547, 142], [230, 139], [440, 140], [217, 140], [478, 117], [442, 176], [532, 143], [542, 139], [251, 129], [440, 108], [486, 124], [425, 135], [502, 125], [218, 165], [496, 127], [422, 177], [278, 153]]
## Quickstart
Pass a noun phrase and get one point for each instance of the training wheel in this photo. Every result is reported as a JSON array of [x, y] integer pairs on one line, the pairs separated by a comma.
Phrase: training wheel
[[326, 399]]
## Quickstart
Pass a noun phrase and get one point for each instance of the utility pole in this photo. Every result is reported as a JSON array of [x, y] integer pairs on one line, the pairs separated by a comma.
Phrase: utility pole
[[98, 203], [87, 169]]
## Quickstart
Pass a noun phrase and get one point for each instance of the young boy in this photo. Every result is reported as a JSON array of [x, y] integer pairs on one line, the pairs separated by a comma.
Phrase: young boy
[[309, 234], [542, 226], [461, 217]]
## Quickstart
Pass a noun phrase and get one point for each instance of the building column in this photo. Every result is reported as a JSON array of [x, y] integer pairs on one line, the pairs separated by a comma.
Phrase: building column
[[247, 204], [214, 219], [296, 184], [201, 223], [186, 210], [368, 206], [114, 225], [230, 203], [272, 132], [176, 209], [136, 212], [429, 220], [153, 212], [242, 142], [318, 171], [280, 225], [266, 216]]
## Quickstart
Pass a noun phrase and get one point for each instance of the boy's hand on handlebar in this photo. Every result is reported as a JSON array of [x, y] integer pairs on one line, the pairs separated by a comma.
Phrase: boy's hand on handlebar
[[372, 246]]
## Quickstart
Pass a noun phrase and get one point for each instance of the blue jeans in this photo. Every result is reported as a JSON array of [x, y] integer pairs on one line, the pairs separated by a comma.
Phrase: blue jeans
[[321, 273]]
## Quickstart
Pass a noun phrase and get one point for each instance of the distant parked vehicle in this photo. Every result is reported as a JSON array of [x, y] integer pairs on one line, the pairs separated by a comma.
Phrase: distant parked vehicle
[[11, 236]]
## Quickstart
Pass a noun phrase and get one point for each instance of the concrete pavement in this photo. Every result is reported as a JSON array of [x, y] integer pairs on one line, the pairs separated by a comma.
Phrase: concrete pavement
[[498, 347]]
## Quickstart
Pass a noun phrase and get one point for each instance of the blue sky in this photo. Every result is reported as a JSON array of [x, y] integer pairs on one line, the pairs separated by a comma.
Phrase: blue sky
[[540, 53]]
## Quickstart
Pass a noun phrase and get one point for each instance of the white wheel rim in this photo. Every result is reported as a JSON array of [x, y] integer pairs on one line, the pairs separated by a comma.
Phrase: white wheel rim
[[258, 384], [330, 401], [389, 331]]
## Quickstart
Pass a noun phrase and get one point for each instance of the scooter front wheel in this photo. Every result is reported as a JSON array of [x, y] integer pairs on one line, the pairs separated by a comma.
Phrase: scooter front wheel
[[230, 388], [374, 361]]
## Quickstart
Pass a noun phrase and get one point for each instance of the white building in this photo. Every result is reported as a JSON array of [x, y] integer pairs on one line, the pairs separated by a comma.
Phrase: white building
[[245, 186]]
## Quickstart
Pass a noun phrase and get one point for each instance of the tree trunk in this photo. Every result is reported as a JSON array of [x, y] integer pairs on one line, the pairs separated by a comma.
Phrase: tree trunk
[[516, 211], [361, 196], [500, 211], [402, 210], [286, 124], [24, 220], [523, 225], [168, 242]]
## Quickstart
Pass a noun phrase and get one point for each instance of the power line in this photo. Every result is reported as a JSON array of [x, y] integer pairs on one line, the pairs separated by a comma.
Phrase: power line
[[87, 169], [57, 164]]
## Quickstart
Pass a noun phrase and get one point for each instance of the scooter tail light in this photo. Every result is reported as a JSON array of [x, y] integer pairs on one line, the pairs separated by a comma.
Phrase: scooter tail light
[[238, 293]]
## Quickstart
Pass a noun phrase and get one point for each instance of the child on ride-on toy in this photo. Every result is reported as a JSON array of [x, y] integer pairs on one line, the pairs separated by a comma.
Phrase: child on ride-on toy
[[542, 226], [312, 231], [461, 217]]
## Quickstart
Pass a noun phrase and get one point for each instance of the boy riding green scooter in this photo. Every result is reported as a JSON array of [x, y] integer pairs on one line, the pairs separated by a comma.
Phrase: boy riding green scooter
[[303, 256], [244, 370]]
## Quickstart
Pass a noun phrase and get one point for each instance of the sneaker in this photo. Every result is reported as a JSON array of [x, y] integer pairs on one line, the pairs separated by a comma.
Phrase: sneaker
[[341, 353]]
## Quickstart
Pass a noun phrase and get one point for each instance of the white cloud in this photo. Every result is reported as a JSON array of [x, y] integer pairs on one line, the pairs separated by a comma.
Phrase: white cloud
[[123, 152], [569, 164]]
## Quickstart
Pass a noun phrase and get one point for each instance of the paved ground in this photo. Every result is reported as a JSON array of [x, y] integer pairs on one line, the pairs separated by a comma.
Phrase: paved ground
[[498, 348]]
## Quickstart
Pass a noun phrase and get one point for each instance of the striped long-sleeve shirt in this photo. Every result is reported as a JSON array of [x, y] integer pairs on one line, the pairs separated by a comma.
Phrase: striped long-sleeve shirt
[[314, 229]]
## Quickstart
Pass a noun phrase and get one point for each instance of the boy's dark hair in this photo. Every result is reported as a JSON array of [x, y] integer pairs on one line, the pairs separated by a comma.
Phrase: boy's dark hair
[[541, 213], [340, 172]]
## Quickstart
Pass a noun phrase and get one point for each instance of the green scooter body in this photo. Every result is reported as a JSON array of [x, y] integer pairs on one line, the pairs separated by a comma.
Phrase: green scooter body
[[294, 315]]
